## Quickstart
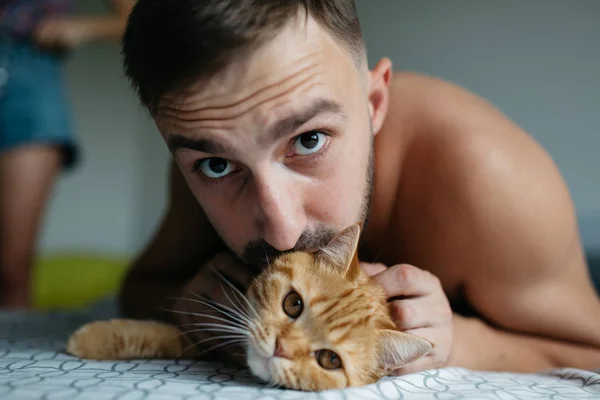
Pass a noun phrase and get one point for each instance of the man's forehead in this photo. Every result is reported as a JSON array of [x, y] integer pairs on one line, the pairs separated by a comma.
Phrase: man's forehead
[[297, 49]]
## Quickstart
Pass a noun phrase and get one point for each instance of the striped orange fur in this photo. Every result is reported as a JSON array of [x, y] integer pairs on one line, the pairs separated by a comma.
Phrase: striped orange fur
[[341, 336]]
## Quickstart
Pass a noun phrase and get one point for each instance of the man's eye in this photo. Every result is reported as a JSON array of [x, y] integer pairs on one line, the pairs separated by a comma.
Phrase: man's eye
[[309, 143], [215, 167]]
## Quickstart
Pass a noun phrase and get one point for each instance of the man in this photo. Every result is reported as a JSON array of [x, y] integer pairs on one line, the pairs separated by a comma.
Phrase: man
[[281, 136], [36, 137]]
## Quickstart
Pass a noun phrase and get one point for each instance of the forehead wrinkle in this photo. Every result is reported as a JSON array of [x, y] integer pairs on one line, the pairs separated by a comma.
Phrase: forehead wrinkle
[[172, 125], [225, 113], [280, 128]]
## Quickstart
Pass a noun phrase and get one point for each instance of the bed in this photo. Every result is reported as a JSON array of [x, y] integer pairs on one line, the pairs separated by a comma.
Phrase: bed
[[33, 365]]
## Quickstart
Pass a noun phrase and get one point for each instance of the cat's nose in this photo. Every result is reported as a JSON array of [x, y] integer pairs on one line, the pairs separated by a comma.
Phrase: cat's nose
[[279, 349]]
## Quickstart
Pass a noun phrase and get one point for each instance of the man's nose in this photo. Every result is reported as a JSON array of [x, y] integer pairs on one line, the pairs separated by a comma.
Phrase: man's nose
[[280, 215]]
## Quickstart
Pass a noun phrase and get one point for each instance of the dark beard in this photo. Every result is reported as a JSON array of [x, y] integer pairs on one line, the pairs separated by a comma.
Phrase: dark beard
[[259, 252], [368, 193]]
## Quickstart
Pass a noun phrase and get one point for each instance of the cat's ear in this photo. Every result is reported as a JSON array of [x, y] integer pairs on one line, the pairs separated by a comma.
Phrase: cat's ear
[[341, 251], [395, 349]]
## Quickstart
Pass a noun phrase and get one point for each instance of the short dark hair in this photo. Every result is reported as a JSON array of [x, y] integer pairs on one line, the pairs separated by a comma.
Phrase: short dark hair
[[170, 43]]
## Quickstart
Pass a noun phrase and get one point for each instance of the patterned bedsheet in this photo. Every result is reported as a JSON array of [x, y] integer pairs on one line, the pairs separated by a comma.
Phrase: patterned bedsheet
[[33, 365]]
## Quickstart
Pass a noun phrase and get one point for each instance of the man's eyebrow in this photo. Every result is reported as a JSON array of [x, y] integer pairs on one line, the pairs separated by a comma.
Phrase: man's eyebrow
[[281, 128], [295, 121], [177, 142]]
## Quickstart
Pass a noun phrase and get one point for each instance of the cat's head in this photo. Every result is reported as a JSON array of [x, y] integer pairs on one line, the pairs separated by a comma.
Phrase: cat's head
[[320, 324]]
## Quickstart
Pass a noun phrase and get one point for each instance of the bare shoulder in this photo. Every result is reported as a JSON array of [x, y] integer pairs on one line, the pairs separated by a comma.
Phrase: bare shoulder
[[475, 145], [477, 193]]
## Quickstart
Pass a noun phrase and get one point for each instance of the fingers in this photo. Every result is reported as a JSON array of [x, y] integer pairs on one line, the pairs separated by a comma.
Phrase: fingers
[[372, 269], [406, 280], [419, 313], [419, 306], [408, 314]]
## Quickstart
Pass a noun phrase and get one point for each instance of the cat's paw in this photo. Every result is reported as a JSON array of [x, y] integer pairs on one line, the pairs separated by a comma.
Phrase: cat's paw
[[99, 340]]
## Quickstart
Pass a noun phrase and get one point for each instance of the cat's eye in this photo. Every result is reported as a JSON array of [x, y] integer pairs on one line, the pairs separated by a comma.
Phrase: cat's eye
[[293, 305], [327, 359]]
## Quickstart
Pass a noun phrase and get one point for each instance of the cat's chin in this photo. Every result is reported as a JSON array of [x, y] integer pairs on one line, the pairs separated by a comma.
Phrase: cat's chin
[[258, 365]]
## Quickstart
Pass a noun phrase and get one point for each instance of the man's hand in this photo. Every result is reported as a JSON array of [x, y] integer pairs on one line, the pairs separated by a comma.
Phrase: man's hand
[[419, 307], [211, 311], [61, 33]]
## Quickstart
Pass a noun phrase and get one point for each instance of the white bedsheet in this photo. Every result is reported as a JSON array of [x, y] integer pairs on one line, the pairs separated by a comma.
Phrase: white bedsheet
[[33, 365]]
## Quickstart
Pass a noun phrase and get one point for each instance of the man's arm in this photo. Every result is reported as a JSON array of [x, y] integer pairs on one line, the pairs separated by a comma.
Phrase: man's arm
[[184, 242], [517, 243], [481, 346]]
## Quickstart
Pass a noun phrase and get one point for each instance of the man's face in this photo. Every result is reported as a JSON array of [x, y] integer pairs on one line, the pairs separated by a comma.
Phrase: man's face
[[277, 148]]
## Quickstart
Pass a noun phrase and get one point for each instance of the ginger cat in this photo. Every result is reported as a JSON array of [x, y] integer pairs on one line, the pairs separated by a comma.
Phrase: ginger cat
[[310, 321]]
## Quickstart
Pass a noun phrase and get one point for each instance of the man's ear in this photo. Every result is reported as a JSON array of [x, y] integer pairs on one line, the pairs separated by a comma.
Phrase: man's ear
[[341, 251], [378, 92]]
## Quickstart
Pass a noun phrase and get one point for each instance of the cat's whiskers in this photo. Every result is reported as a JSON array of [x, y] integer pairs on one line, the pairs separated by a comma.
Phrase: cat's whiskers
[[238, 306], [227, 311], [180, 333], [266, 255], [272, 385], [240, 324], [239, 337], [228, 343], [253, 320], [241, 355], [205, 329], [233, 339], [237, 323], [236, 290], [216, 327], [232, 331], [255, 324]]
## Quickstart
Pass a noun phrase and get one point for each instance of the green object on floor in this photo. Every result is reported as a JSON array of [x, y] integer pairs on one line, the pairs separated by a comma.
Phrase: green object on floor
[[75, 280]]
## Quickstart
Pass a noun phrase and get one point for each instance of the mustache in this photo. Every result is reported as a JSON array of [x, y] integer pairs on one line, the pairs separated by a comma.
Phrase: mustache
[[259, 252]]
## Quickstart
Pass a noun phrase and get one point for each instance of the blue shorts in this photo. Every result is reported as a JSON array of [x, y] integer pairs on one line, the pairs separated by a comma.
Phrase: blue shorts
[[34, 108]]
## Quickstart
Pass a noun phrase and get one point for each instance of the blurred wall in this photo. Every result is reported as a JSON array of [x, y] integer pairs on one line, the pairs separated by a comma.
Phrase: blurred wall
[[538, 61]]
